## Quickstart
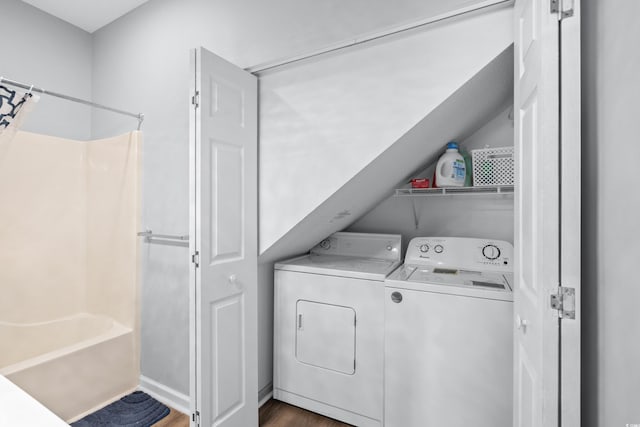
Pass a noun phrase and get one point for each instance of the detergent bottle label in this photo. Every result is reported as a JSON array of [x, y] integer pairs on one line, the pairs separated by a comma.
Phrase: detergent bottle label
[[459, 170]]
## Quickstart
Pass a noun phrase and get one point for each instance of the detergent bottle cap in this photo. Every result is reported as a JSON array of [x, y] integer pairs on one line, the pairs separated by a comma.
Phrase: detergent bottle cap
[[452, 145]]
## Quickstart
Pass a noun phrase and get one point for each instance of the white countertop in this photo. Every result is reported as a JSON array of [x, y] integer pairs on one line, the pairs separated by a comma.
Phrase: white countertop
[[18, 409]]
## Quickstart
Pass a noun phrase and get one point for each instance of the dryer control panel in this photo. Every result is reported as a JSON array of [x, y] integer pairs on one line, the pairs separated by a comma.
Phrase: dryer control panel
[[366, 245], [461, 253]]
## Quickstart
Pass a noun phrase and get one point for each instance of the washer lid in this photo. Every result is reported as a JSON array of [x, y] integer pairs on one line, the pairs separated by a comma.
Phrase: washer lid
[[480, 284], [446, 276], [343, 266]]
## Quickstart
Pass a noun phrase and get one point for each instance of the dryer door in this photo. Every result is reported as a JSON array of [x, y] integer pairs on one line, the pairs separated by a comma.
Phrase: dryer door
[[326, 336]]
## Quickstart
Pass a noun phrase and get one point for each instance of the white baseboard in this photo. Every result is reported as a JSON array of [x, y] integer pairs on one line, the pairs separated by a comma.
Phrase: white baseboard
[[265, 399], [168, 396], [181, 402], [265, 394]]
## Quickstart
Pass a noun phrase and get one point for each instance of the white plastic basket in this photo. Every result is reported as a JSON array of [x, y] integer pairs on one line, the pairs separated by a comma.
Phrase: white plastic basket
[[492, 166]]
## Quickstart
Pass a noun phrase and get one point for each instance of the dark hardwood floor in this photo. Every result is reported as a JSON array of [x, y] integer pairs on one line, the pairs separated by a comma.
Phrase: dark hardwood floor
[[279, 414], [272, 414], [174, 419]]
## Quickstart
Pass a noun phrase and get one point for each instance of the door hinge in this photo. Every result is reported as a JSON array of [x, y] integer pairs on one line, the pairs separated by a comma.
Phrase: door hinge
[[195, 258], [195, 417], [195, 99], [564, 8], [565, 302]]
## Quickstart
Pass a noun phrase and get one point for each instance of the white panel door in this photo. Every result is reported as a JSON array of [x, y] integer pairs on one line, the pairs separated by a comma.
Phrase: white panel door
[[540, 256], [536, 239], [224, 239]]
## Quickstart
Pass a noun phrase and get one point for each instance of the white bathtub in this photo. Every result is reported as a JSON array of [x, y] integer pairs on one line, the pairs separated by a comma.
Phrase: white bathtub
[[15, 403], [71, 365]]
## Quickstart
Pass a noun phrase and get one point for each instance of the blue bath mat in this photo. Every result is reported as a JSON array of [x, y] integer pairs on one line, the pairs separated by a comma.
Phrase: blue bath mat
[[137, 409]]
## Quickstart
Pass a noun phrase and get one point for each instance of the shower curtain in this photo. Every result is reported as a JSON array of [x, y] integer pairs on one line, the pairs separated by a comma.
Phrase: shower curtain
[[14, 106]]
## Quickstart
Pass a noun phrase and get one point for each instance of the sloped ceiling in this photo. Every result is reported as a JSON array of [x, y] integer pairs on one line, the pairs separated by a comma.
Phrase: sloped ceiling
[[463, 112], [323, 122]]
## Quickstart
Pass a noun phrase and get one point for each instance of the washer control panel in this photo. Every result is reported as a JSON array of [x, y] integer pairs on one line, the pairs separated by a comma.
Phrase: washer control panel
[[461, 253]]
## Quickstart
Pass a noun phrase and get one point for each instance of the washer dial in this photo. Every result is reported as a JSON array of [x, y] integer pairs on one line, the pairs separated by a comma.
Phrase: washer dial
[[491, 252], [424, 248]]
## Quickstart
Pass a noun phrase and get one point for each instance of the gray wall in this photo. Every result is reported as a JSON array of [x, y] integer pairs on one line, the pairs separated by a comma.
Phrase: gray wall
[[321, 123], [47, 52], [489, 217], [611, 208], [141, 63]]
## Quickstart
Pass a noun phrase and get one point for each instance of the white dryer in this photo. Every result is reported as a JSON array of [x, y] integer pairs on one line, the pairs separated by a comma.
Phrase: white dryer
[[448, 335], [329, 325]]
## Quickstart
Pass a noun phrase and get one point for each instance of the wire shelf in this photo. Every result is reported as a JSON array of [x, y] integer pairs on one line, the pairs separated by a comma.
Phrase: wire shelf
[[495, 189]]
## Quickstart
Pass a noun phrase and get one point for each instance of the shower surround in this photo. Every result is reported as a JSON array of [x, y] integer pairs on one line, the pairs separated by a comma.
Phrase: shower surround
[[69, 305]]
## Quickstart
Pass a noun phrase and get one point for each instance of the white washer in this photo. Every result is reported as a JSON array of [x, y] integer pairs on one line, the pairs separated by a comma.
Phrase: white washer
[[448, 335], [329, 324]]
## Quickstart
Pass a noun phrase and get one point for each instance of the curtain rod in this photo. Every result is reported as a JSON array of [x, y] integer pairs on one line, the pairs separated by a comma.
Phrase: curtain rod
[[31, 88], [478, 7]]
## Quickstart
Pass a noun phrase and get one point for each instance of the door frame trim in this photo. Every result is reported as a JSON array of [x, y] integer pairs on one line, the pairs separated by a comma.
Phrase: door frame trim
[[194, 127]]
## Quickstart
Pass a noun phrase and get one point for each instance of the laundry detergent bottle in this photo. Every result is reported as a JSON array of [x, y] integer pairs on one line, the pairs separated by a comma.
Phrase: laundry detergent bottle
[[451, 170]]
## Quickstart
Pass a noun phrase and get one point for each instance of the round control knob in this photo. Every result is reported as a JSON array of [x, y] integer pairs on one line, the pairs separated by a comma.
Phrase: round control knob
[[396, 297], [325, 244], [491, 252], [438, 249], [424, 248]]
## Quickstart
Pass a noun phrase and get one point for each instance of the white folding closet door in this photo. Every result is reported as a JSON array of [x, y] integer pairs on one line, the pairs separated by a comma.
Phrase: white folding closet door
[[541, 190], [536, 109], [224, 242]]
